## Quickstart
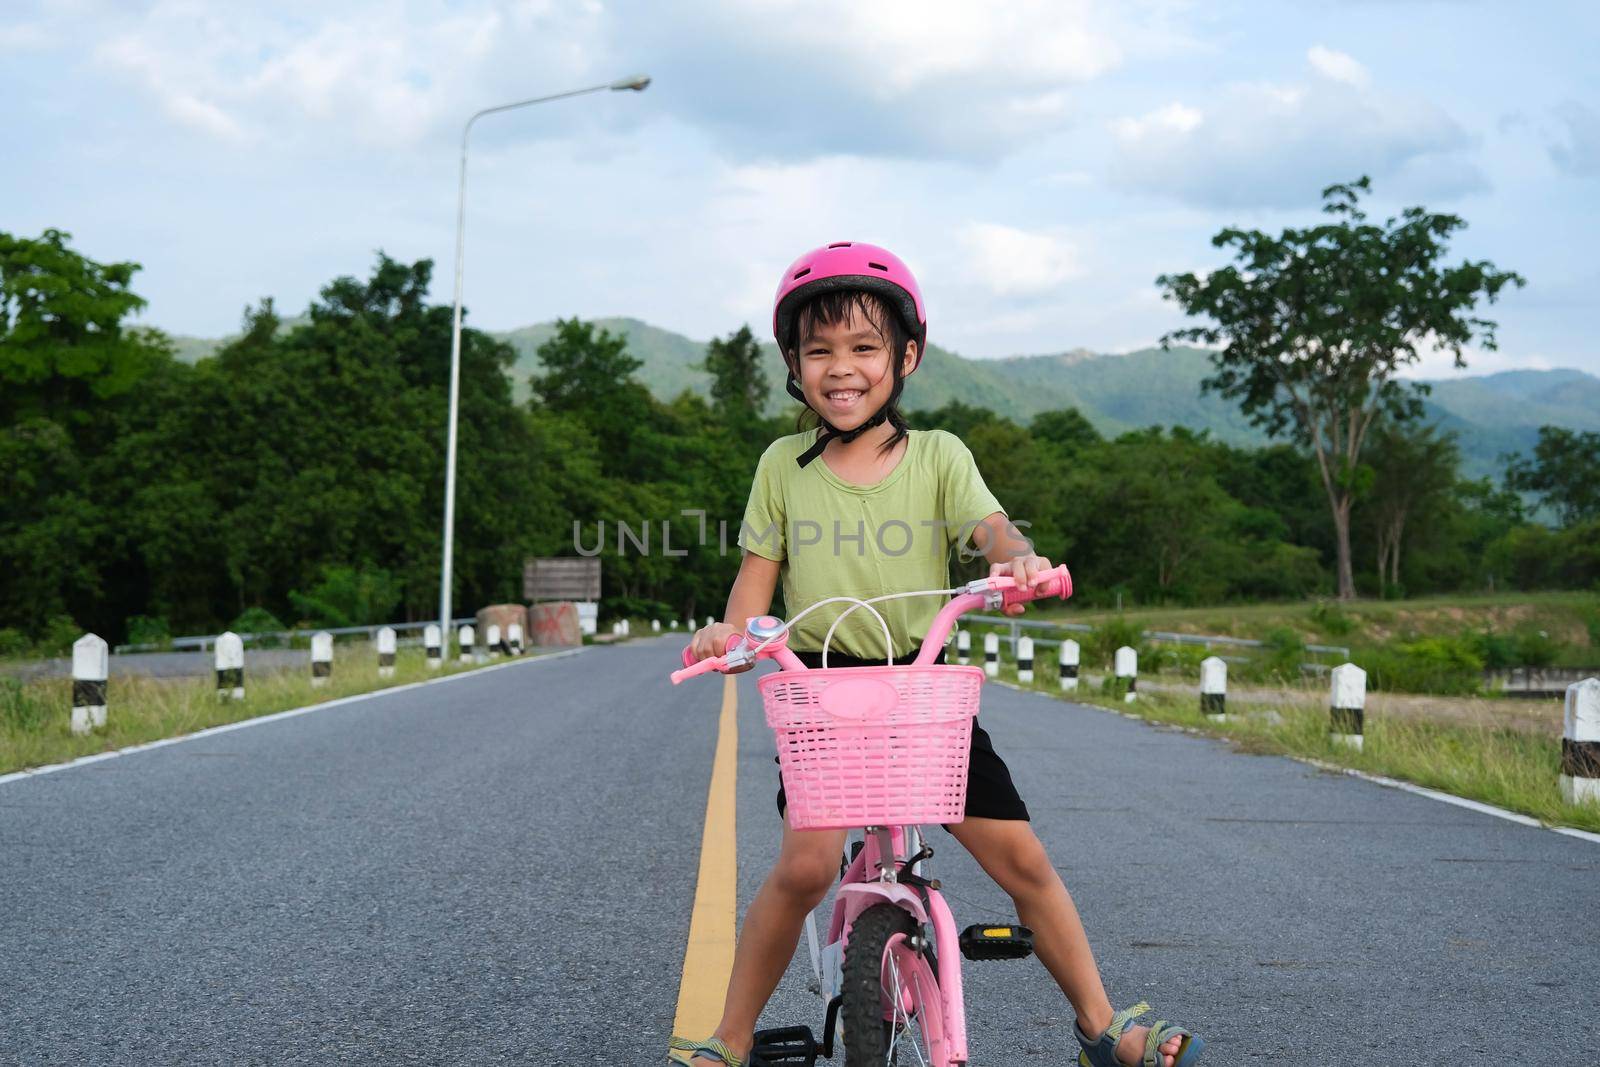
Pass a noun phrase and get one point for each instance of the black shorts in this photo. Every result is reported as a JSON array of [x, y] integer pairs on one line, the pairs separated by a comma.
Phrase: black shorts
[[990, 791]]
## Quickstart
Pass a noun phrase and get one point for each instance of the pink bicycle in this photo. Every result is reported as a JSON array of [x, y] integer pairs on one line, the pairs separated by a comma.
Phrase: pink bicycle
[[882, 750]]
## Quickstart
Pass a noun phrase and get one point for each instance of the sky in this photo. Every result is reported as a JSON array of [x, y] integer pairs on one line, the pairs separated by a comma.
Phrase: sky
[[1038, 163]]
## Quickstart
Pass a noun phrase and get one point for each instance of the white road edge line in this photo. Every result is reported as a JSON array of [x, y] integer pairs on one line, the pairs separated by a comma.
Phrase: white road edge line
[[51, 768], [1377, 779]]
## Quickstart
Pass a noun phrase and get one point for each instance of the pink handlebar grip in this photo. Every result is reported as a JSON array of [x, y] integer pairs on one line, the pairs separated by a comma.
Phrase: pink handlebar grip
[[1058, 583], [711, 663]]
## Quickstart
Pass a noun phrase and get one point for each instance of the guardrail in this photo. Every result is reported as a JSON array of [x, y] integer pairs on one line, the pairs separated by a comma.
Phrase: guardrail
[[202, 642], [1016, 627]]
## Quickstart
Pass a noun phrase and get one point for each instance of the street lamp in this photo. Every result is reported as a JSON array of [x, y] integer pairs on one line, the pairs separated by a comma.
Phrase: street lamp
[[637, 83]]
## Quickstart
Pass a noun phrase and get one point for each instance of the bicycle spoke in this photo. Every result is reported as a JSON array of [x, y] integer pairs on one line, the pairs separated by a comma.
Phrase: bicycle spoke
[[901, 1021]]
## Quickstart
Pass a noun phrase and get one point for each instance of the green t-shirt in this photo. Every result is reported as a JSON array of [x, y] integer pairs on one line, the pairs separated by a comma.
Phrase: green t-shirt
[[835, 538]]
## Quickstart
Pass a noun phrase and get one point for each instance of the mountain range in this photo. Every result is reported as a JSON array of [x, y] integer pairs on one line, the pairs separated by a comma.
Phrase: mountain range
[[1491, 414]]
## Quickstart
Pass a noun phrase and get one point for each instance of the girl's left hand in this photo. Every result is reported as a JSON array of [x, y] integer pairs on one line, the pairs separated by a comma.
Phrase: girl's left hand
[[1023, 569]]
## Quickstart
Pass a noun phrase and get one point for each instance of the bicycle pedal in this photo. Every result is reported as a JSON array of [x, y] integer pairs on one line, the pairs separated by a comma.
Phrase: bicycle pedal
[[996, 942], [785, 1046]]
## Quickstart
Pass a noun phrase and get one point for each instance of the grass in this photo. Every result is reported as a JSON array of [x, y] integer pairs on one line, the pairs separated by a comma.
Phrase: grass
[[1513, 769], [35, 717], [1566, 616]]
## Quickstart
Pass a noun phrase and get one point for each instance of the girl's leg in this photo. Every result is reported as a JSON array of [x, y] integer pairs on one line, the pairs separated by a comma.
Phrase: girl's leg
[[808, 864], [1011, 854]]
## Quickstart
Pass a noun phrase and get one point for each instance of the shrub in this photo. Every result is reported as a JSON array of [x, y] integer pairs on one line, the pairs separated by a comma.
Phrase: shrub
[[145, 630], [349, 596], [258, 620], [1331, 620], [1497, 651], [1284, 652], [1182, 659], [1536, 648], [1591, 622], [57, 637], [1111, 635], [1525, 647], [1428, 665], [13, 642], [20, 708]]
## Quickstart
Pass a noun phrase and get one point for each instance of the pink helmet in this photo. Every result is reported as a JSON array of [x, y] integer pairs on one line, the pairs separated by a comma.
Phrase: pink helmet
[[852, 265]]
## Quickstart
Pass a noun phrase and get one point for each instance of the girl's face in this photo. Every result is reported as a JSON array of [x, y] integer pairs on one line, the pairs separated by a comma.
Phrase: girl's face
[[845, 371]]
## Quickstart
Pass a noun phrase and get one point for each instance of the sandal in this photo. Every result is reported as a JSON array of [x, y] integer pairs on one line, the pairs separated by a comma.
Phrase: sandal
[[684, 1052], [1103, 1052]]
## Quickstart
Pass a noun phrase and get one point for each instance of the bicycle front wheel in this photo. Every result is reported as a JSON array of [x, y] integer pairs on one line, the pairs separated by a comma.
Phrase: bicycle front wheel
[[891, 1012]]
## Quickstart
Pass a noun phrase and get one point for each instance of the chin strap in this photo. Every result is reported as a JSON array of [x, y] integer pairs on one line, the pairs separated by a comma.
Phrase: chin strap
[[831, 432]]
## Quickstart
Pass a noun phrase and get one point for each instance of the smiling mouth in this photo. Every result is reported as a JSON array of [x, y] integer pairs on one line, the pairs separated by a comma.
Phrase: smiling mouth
[[843, 398]]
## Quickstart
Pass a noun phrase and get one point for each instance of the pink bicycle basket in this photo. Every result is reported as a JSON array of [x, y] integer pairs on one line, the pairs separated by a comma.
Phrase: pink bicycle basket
[[873, 746]]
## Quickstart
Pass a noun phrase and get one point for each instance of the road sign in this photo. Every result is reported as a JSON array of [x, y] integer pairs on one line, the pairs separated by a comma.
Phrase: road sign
[[561, 578]]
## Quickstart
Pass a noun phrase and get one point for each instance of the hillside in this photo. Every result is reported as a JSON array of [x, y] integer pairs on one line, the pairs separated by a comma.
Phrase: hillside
[[1493, 414]]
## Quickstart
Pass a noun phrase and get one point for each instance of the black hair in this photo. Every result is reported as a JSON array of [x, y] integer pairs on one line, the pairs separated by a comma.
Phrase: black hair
[[835, 306]]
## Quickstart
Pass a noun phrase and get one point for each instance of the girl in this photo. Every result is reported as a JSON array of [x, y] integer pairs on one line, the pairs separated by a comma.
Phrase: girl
[[861, 506]]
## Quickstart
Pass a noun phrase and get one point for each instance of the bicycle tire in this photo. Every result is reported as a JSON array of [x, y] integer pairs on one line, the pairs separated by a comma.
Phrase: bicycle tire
[[868, 1035]]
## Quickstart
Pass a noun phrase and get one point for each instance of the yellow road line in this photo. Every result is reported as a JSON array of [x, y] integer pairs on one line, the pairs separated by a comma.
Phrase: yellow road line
[[708, 960]]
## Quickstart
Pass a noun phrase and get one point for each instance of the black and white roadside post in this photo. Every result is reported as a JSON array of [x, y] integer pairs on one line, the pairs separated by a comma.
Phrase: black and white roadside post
[[674, 624], [1348, 703], [655, 626], [466, 638], [709, 620], [321, 658], [492, 639], [1067, 664], [963, 648], [991, 655], [1214, 688], [514, 638], [1025, 660], [1126, 668], [386, 652], [230, 666], [91, 664], [1580, 743], [430, 642]]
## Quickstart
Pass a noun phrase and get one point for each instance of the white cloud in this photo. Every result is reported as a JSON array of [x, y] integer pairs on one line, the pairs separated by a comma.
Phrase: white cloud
[[362, 72], [937, 78], [1580, 154], [1012, 262], [1268, 144], [1441, 364], [1175, 118], [1338, 66], [163, 81]]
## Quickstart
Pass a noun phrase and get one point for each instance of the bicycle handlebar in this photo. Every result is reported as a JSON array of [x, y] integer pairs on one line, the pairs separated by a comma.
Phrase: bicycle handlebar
[[1001, 591]]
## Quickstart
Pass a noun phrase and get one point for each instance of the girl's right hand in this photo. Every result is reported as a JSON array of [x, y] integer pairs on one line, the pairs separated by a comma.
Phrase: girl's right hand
[[713, 641]]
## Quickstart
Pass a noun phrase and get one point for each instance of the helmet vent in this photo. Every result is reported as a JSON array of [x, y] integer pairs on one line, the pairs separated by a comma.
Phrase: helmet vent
[[879, 266], [841, 244], [801, 273]]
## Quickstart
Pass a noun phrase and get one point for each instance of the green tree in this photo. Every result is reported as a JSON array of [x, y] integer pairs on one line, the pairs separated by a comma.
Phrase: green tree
[[1066, 429], [64, 342], [1316, 322], [957, 417], [738, 377], [349, 596], [1414, 469], [1564, 472]]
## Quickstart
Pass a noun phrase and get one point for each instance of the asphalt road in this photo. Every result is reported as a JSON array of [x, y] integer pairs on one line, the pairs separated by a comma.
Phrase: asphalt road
[[500, 868]]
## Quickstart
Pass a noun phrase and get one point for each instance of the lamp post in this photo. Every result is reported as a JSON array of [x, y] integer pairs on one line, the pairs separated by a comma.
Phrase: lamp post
[[636, 83]]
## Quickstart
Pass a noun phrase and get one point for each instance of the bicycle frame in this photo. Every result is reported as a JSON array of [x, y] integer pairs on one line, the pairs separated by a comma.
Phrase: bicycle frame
[[859, 889], [874, 875]]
